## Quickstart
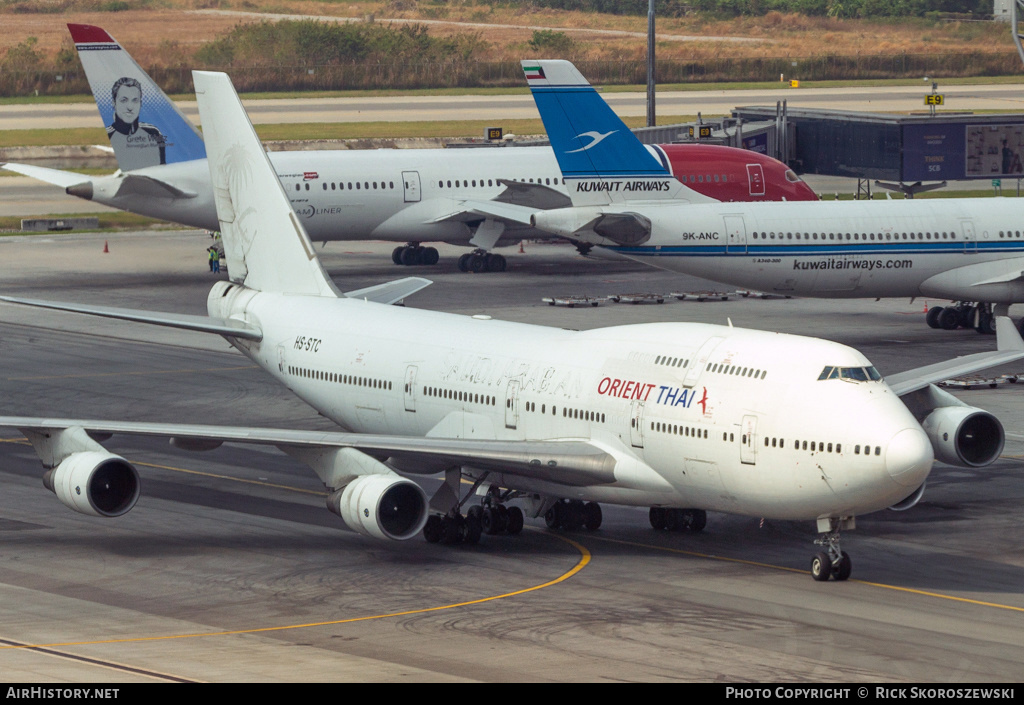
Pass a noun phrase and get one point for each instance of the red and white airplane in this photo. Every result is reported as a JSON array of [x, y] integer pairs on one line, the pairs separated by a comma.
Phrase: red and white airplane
[[401, 195], [543, 422]]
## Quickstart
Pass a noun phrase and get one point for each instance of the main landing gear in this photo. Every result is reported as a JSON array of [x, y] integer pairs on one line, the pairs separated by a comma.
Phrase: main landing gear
[[492, 516], [831, 562], [574, 514], [673, 519], [480, 261], [413, 255], [965, 314]]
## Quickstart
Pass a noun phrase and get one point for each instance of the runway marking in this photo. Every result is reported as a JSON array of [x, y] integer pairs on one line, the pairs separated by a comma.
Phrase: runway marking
[[744, 561], [111, 665], [134, 374], [585, 557]]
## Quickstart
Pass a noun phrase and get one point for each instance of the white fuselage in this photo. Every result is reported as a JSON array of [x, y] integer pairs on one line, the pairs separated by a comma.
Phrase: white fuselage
[[699, 415], [387, 194], [971, 249]]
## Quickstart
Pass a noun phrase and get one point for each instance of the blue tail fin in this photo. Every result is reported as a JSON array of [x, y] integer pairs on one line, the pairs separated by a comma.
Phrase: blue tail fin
[[601, 160], [145, 128]]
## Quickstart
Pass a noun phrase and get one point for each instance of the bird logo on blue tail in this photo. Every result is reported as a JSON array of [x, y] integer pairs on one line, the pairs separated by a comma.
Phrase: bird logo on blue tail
[[596, 139]]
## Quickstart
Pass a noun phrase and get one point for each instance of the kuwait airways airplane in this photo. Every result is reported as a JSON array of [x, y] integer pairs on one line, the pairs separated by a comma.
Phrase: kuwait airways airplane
[[967, 250], [543, 422], [407, 196]]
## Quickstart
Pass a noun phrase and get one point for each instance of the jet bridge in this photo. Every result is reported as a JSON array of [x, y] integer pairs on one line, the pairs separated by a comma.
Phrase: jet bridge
[[906, 150]]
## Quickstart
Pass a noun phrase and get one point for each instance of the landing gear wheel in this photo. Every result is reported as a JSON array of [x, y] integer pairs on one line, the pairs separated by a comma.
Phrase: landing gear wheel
[[932, 317], [477, 263], [430, 256], [396, 254], [515, 521], [412, 256], [821, 567], [842, 569], [986, 324], [592, 516], [472, 529], [464, 262], [553, 516], [658, 518], [495, 263], [700, 520], [949, 319], [432, 529]]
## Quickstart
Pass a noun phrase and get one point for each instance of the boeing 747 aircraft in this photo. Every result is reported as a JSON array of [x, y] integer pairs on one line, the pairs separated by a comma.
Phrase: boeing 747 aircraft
[[964, 249], [408, 196], [681, 418]]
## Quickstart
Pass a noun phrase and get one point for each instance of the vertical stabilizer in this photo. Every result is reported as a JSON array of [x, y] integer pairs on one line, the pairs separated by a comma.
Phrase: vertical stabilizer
[[601, 160], [145, 128], [267, 249]]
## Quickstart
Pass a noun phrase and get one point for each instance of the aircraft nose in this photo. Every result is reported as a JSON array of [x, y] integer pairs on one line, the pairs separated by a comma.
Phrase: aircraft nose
[[909, 457]]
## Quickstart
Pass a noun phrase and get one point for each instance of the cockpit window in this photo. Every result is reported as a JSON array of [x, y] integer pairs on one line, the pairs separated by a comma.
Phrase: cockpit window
[[850, 374], [857, 374], [791, 176]]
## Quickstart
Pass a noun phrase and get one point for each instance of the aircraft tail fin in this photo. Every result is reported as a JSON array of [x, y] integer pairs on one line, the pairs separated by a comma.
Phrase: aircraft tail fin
[[145, 128], [601, 160], [267, 248]]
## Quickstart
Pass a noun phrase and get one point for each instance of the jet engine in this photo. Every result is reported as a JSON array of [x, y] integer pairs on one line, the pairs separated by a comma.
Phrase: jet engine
[[964, 435], [96, 483], [910, 500], [384, 506]]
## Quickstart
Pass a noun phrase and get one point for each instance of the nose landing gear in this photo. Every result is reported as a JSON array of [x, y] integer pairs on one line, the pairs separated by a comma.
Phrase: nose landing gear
[[831, 562]]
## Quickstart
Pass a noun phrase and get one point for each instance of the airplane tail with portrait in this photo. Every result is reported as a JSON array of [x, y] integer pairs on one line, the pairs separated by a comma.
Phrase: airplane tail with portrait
[[144, 126], [601, 160]]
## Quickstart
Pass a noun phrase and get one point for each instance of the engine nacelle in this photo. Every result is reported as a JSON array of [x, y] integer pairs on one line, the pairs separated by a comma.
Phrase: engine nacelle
[[909, 501], [99, 484], [381, 506], [964, 435]]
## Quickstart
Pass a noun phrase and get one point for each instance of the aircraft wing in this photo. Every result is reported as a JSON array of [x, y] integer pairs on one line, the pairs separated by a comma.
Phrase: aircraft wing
[[568, 462], [150, 187], [64, 179], [505, 212], [1009, 347], [203, 324]]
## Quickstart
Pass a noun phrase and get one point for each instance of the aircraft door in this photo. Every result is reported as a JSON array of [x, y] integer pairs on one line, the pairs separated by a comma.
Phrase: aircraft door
[[970, 237], [755, 179], [280, 359], [512, 404], [735, 234], [636, 424], [748, 434], [410, 388], [411, 180]]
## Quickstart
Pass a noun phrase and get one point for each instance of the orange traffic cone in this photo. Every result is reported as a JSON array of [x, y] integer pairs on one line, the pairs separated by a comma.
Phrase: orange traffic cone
[[106, 249], [521, 250], [925, 307]]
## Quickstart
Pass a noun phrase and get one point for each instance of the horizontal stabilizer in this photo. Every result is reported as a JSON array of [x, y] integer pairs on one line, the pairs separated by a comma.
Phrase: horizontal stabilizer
[[64, 179], [539, 196], [390, 292], [1009, 348], [203, 324], [149, 187]]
